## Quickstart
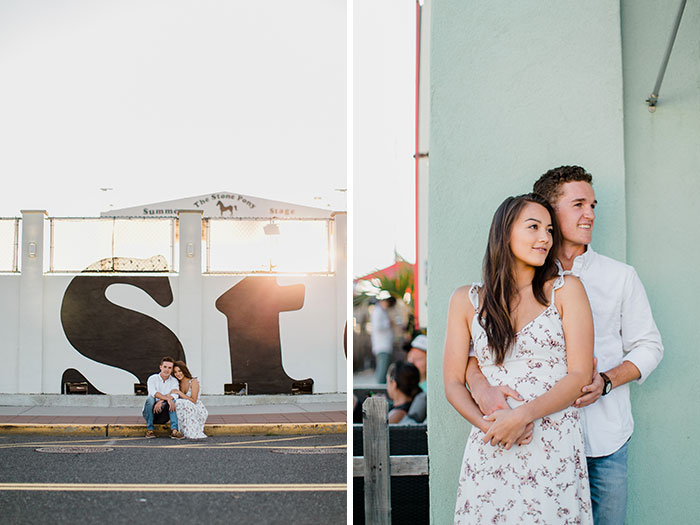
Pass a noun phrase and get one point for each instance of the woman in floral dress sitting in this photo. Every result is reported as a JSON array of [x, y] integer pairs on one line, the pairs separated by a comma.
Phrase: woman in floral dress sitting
[[191, 412]]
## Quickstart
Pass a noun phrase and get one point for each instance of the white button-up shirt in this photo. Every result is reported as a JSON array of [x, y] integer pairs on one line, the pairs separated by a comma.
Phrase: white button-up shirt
[[155, 384], [624, 331]]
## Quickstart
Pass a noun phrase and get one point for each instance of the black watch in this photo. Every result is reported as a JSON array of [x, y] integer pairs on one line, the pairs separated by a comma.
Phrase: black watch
[[607, 387]]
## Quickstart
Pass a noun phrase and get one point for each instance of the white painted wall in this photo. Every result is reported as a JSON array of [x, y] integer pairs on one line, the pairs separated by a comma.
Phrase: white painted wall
[[311, 338], [342, 295], [9, 328], [30, 302]]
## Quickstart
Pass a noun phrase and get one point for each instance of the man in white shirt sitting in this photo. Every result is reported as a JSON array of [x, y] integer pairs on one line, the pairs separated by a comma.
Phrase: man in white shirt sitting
[[160, 401], [627, 343]]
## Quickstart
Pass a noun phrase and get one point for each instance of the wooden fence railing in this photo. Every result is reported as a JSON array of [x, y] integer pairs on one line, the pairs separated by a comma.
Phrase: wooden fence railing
[[377, 467]]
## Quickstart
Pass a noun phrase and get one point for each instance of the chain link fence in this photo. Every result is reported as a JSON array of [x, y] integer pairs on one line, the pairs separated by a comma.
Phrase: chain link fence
[[230, 245], [111, 245], [268, 246], [9, 244]]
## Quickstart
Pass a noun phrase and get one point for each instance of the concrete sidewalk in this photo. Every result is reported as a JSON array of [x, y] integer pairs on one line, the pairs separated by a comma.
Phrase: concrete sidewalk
[[121, 415]]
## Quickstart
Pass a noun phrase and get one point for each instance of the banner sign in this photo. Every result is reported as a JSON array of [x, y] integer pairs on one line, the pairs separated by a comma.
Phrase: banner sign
[[223, 204]]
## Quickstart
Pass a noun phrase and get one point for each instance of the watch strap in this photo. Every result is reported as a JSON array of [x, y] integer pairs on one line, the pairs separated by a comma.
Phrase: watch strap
[[607, 387]]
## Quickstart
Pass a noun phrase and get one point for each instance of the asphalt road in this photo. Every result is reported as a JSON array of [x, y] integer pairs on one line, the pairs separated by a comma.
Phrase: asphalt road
[[224, 479]]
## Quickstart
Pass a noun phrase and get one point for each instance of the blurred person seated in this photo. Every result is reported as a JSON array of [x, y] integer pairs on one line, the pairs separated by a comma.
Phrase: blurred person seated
[[417, 355], [402, 380]]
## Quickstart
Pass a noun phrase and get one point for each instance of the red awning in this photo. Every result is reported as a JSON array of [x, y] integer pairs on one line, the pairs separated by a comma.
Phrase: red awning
[[389, 272]]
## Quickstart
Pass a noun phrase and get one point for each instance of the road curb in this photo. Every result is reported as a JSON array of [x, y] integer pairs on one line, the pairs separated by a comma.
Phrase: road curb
[[107, 430], [54, 428], [271, 429], [277, 429]]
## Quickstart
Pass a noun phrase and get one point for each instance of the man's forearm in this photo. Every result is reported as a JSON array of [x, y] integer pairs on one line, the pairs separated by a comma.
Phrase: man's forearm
[[623, 373], [162, 397]]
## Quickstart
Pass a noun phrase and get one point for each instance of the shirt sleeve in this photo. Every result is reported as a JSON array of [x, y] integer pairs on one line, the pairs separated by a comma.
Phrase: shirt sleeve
[[418, 409], [641, 340], [151, 385]]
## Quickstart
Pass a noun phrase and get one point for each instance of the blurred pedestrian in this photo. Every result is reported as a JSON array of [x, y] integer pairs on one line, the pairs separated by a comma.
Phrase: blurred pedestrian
[[382, 335]]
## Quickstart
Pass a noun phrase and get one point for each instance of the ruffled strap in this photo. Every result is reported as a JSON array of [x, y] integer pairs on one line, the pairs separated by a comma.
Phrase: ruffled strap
[[474, 295], [557, 284]]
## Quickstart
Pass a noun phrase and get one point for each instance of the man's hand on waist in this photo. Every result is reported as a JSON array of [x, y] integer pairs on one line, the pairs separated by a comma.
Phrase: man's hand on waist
[[491, 398], [593, 391]]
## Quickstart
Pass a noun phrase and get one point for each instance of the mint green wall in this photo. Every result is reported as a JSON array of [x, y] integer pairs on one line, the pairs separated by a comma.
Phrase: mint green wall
[[662, 157], [518, 88]]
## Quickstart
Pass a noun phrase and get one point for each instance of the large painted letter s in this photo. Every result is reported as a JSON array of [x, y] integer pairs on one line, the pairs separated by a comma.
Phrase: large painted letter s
[[117, 336]]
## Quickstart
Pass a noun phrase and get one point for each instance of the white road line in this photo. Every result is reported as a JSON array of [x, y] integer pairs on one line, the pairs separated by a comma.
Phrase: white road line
[[63, 442], [150, 487], [122, 439]]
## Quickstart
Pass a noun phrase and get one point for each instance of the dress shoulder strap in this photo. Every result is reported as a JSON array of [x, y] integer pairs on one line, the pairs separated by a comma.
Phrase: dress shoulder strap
[[558, 283], [474, 295]]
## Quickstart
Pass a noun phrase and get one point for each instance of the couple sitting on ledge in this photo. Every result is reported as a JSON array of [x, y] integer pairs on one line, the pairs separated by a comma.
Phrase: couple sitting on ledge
[[173, 394]]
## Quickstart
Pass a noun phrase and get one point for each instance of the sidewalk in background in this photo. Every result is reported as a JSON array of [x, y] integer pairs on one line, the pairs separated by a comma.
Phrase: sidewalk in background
[[121, 415], [363, 378]]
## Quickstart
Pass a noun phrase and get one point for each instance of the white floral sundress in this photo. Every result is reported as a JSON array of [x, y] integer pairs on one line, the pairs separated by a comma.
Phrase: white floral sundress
[[545, 481], [191, 416]]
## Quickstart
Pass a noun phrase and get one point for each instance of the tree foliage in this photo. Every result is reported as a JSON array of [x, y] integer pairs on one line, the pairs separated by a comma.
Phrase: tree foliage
[[400, 285]]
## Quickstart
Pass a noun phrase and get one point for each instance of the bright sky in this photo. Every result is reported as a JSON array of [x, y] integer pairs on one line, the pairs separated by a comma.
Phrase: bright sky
[[168, 99], [162, 100], [384, 124]]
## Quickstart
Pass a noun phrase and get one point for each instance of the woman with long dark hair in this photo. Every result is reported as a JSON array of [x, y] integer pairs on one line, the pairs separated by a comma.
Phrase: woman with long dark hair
[[531, 331], [191, 412]]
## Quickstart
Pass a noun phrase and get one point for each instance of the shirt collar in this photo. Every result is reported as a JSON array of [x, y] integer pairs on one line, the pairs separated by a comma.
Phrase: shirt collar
[[581, 263]]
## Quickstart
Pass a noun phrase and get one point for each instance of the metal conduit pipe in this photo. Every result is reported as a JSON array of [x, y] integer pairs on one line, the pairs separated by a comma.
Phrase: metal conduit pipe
[[654, 97]]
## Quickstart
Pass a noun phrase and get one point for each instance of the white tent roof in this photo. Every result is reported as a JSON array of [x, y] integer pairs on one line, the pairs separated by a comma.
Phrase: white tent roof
[[222, 204]]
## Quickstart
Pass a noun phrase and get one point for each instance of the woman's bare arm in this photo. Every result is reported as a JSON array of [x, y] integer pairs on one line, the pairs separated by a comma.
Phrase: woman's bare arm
[[455, 355], [194, 382], [195, 391]]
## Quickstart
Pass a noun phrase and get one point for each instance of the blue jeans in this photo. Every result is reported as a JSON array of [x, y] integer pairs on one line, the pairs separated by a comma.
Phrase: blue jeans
[[608, 478], [148, 414], [383, 361]]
